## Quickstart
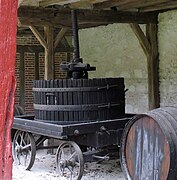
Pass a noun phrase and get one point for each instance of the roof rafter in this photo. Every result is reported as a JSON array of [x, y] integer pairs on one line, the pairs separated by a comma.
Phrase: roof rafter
[[46, 3], [129, 4], [162, 6]]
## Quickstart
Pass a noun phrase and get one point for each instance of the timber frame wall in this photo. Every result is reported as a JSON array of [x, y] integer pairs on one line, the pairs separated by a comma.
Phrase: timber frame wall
[[49, 18], [30, 66], [149, 44]]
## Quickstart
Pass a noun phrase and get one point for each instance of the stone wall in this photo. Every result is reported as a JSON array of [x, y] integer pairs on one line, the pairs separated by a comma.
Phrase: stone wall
[[168, 57], [115, 51]]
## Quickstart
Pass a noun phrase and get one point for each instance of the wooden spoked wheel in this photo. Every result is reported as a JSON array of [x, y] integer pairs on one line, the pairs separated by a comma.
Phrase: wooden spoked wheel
[[70, 161], [24, 149]]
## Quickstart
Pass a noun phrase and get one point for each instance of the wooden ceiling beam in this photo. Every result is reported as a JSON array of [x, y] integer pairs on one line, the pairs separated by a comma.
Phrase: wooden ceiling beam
[[160, 7], [129, 4], [38, 36], [111, 3], [38, 48], [32, 16], [27, 32], [142, 3], [46, 3]]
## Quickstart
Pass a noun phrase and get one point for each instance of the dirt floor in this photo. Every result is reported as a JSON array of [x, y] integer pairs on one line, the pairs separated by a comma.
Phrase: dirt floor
[[44, 168]]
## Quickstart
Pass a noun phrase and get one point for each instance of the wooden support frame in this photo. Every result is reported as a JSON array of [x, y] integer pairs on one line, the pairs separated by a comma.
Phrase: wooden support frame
[[39, 48], [39, 16], [46, 3], [142, 38], [153, 66], [124, 5], [60, 36], [166, 6], [48, 45], [38, 36], [149, 45], [49, 53], [65, 42]]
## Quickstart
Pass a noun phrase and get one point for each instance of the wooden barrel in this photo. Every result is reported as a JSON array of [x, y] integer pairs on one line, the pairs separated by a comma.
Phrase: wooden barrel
[[79, 100], [149, 146]]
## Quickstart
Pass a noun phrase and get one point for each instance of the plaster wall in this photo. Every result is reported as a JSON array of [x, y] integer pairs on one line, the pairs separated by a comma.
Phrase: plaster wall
[[115, 51], [168, 57]]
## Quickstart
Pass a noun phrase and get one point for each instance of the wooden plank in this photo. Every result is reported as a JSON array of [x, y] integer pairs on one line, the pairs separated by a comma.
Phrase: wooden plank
[[143, 3], [60, 36], [153, 66], [8, 29], [81, 5], [112, 3], [38, 36], [49, 54], [22, 81], [160, 7], [142, 38], [39, 48], [45, 3], [31, 16], [128, 4], [24, 31]]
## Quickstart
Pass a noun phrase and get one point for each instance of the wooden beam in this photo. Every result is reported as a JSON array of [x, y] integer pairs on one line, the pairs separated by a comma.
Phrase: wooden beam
[[29, 48], [31, 16], [142, 38], [153, 66], [49, 54], [81, 5], [46, 3], [111, 3], [149, 45], [25, 31], [39, 48], [60, 36], [160, 7], [128, 4], [143, 3], [38, 36]]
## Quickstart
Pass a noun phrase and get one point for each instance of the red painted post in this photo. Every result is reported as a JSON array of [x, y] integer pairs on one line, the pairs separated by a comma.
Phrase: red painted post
[[8, 27]]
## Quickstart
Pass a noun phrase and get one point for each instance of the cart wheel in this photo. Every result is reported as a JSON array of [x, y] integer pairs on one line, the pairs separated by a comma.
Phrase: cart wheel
[[70, 161], [24, 149]]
